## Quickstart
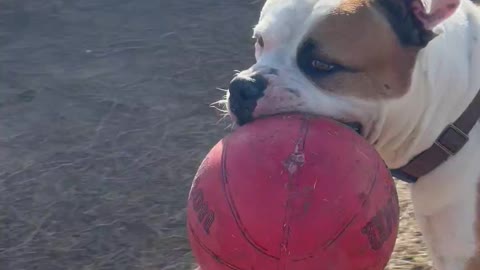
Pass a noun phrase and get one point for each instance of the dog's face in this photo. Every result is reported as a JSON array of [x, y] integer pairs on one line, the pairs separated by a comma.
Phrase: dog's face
[[349, 60]]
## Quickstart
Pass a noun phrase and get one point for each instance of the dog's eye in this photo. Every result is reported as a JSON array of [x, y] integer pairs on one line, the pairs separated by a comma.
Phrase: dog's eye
[[323, 67]]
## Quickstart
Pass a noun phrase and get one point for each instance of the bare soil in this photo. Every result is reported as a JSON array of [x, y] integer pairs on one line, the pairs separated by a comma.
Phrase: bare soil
[[104, 118]]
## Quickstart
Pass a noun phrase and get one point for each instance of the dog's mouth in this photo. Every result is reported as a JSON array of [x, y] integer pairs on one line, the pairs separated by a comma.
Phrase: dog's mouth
[[354, 125]]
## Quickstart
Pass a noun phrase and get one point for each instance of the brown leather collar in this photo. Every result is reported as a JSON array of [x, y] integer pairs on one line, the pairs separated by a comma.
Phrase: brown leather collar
[[449, 143]]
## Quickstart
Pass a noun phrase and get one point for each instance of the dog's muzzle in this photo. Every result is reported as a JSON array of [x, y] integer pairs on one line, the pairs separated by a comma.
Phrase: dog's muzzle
[[244, 92]]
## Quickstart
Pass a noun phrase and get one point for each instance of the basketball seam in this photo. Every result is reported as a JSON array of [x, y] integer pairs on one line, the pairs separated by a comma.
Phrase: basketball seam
[[210, 252], [344, 229], [233, 209]]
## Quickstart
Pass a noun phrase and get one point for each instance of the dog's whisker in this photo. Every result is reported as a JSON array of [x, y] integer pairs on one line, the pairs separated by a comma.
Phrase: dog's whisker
[[220, 106], [221, 89], [230, 127], [219, 102], [222, 112], [223, 118]]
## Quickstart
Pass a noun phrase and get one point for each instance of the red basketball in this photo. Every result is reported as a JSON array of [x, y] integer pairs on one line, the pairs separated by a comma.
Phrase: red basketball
[[292, 192]]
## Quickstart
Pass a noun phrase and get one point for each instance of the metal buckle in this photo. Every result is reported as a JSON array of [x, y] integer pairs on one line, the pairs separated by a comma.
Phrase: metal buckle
[[448, 143]]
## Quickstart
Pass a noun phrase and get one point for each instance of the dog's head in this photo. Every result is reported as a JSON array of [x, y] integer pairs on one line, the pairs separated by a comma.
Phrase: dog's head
[[351, 60]]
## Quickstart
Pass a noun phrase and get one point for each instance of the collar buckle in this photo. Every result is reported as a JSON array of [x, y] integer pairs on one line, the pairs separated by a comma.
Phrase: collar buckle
[[451, 140]]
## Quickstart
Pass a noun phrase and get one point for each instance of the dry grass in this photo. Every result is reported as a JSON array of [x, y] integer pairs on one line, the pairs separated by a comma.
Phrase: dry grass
[[410, 252]]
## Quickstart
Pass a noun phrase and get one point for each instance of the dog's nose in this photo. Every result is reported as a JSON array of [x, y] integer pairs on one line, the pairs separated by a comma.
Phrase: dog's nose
[[244, 93]]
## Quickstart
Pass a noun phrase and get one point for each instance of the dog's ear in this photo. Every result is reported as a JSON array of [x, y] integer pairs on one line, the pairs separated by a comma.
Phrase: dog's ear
[[432, 13], [414, 20]]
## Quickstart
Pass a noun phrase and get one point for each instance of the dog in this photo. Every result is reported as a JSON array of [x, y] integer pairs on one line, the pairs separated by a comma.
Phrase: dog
[[404, 74]]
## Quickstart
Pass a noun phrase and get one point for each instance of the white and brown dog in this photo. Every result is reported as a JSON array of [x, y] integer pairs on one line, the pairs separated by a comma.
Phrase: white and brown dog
[[408, 73]]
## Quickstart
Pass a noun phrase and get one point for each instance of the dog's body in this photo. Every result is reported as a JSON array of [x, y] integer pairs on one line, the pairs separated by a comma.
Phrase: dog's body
[[378, 63]]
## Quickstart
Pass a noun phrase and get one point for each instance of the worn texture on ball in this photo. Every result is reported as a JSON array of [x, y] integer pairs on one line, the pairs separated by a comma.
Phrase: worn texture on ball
[[292, 192]]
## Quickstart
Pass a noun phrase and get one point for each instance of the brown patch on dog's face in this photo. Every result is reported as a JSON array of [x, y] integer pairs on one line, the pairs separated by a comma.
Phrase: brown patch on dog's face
[[474, 262], [363, 53]]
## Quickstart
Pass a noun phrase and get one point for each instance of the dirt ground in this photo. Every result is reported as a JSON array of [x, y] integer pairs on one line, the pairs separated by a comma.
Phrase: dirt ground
[[104, 117]]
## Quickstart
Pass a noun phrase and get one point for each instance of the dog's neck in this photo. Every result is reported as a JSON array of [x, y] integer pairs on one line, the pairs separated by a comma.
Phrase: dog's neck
[[442, 87]]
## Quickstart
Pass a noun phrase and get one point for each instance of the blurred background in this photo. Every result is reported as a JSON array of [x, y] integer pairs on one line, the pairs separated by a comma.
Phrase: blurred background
[[104, 117]]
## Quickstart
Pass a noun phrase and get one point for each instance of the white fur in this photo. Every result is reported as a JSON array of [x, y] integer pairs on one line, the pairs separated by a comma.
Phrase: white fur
[[445, 79]]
